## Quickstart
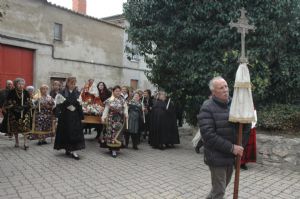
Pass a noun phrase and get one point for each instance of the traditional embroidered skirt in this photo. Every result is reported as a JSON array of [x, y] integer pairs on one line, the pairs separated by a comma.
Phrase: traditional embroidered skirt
[[19, 125], [43, 125], [114, 128]]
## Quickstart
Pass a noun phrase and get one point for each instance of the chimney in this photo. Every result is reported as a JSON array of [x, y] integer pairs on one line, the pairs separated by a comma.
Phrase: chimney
[[79, 6]]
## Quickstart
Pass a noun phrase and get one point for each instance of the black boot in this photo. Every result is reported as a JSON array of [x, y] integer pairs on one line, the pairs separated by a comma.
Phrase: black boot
[[99, 130], [68, 152], [98, 135], [126, 135], [135, 140], [244, 167]]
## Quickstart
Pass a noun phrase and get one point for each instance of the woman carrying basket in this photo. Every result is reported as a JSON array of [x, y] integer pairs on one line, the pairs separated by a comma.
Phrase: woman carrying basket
[[115, 117]]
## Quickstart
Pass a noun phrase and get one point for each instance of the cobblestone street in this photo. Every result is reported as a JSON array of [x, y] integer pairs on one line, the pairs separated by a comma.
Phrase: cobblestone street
[[42, 172]]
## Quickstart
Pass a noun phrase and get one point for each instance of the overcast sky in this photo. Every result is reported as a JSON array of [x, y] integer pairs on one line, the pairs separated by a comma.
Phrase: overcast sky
[[97, 8]]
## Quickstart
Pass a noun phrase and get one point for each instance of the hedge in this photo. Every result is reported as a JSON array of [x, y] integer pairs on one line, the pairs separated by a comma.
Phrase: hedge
[[279, 117]]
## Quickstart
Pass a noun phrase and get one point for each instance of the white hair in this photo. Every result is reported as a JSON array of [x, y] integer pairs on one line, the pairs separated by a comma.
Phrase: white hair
[[17, 80], [30, 88], [9, 81], [211, 84]]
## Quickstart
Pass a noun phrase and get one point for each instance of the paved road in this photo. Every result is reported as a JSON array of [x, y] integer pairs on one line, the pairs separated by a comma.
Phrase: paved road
[[42, 172]]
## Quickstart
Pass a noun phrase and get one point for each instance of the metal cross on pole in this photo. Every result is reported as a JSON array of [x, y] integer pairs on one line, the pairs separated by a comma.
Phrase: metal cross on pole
[[241, 92], [242, 26]]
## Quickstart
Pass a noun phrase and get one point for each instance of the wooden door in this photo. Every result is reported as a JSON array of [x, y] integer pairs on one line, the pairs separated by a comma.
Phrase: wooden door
[[15, 62]]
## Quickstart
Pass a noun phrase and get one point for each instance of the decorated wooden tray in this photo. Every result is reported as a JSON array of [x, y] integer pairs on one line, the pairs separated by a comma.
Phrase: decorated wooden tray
[[92, 119]]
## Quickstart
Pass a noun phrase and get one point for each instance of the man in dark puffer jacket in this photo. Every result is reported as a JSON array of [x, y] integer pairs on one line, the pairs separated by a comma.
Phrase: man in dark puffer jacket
[[219, 136]]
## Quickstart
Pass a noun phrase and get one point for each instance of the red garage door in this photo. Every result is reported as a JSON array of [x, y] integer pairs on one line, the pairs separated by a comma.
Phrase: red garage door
[[15, 62]]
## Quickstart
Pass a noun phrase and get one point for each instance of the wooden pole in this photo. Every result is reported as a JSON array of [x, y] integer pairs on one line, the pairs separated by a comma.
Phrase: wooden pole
[[238, 164]]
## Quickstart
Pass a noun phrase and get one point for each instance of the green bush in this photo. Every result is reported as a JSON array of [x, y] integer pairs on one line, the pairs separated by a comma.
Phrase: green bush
[[279, 117]]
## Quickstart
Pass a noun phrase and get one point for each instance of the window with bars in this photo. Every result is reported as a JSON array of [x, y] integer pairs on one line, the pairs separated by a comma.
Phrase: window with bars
[[57, 32]]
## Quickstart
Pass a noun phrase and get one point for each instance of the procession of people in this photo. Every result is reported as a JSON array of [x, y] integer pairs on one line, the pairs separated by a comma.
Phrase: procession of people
[[63, 112], [120, 113]]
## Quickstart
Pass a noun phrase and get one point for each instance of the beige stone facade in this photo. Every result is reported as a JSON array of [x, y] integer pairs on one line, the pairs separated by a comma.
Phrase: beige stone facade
[[89, 47]]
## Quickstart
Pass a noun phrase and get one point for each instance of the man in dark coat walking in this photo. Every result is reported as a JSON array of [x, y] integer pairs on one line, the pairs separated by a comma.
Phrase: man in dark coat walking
[[219, 136]]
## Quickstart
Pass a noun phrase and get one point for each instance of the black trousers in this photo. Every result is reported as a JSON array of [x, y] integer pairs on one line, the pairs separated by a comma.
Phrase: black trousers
[[134, 137], [99, 129], [200, 143]]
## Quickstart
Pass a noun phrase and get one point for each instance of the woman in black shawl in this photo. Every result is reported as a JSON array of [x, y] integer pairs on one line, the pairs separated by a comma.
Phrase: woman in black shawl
[[69, 133], [163, 129], [18, 104]]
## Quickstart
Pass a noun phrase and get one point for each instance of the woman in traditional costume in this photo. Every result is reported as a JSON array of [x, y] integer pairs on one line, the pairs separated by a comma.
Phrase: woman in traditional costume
[[18, 105], [69, 133], [115, 115], [249, 154], [135, 115], [43, 118], [104, 94], [163, 129]]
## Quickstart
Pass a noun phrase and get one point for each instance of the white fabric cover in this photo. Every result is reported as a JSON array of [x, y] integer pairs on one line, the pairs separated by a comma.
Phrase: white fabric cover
[[255, 120], [242, 108], [93, 90]]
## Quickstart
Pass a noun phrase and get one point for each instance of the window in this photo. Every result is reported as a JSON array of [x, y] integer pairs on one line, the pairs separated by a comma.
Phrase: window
[[133, 53], [62, 81], [57, 32], [134, 84]]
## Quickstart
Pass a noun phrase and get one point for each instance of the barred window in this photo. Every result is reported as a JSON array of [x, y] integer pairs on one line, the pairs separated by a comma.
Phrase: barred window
[[57, 32]]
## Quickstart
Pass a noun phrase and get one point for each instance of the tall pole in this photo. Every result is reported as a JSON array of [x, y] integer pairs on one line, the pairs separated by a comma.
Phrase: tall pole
[[238, 164]]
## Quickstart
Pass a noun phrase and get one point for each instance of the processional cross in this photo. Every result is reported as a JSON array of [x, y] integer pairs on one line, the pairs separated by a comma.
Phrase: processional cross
[[242, 26], [242, 103]]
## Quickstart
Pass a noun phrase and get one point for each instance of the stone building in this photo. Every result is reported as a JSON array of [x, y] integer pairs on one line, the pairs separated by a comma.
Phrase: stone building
[[44, 42], [131, 60]]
